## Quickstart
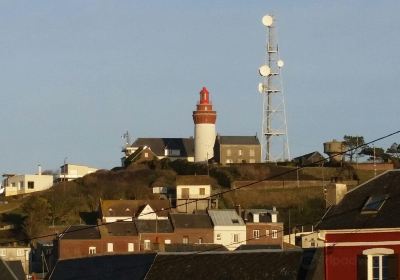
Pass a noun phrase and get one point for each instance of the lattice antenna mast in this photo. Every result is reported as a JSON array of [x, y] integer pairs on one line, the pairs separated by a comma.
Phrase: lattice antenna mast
[[274, 125]]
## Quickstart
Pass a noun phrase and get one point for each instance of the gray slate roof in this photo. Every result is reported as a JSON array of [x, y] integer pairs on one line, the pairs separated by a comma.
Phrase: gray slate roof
[[347, 214], [121, 229], [191, 221], [225, 217], [81, 232], [151, 226], [158, 145], [238, 140]]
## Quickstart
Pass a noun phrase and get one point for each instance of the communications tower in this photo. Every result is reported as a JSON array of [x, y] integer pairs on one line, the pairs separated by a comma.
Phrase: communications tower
[[274, 126]]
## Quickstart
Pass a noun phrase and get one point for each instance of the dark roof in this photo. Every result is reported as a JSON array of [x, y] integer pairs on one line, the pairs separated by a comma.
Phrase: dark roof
[[178, 247], [130, 266], [131, 208], [191, 221], [348, 213], [238, 140], [193, 180], [81, 232], [133, 157], [121, 229], [231, 265], [17, 269], [158, 145], [6, 273], [149, 226], [258, 247], [307, 156]]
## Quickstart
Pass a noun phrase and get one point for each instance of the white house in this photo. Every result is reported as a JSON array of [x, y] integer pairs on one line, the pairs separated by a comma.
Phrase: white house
[[69, 172], [229, 228], [193, 193], [17, 253], [24, 184]]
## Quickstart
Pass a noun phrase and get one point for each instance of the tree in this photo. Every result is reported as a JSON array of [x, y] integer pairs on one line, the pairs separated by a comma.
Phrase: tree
[[37, 210], [353, 144]]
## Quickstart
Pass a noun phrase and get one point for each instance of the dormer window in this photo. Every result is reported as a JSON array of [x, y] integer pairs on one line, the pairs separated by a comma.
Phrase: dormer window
[[127, 210], [235, 221], [374, 203]]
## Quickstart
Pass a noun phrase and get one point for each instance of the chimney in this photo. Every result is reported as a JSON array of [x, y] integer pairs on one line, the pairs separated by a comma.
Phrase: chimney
[[238, 209], [334, 193], [39, 169]]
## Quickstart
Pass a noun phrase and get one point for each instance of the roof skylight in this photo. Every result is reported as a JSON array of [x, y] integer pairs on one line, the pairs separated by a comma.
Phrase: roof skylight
[[374, 203]]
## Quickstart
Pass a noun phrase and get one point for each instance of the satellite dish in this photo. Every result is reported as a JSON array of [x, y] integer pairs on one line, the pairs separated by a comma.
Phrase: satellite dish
[[260, 88], [264, 70], [280, 63], [268, 20]]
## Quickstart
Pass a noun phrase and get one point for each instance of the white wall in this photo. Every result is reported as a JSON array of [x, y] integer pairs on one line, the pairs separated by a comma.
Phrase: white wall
[[227, 233], [40, 183], [194, 191], [204, 138]]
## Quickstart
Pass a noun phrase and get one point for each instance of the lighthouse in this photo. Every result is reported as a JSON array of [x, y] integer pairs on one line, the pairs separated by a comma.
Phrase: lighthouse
[[204, 128]]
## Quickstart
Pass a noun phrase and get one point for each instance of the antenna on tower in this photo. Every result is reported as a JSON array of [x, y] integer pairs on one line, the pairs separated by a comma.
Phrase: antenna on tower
[[127, 138], [274, 125]]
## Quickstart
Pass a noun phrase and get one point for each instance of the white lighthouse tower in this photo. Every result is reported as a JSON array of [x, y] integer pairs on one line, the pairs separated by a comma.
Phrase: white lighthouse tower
[[204, 128]]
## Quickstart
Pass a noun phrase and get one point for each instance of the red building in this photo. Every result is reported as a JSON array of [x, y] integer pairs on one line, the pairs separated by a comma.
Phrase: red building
[[362, 232]]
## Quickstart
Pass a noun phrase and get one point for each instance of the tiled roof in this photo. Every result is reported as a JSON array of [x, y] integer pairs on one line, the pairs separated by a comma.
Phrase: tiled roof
[[348, 213], [121, 229], [81, 232], [232, 265], [111, 267], [238, 140], [225, 217], [193, 180], [191, 221], [158, 145], [153, 226], [131, 208]]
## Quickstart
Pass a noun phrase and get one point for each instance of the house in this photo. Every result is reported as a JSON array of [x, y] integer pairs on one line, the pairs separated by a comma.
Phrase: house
[[171, 148], [69, 172], [127, 210], [262, 227], [193, 193], [237, 149], [27, 183], [310, 159], [229, 228], [79, 241], [154, 234], [142, 154], [192, 228], [20, 254], [361, 232]]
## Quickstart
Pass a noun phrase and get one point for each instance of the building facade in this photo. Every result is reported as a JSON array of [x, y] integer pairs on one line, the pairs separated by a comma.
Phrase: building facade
[[237, 149]]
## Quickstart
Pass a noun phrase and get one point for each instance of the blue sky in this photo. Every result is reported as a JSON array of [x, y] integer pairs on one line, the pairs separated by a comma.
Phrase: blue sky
[[75, 75]]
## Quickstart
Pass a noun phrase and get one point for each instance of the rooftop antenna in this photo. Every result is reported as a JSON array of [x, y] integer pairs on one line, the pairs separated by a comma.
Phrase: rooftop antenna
[[127, 138], [274, 126]]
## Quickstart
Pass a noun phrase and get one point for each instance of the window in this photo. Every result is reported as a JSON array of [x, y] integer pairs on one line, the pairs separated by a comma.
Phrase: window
[[12, 184], [31, 184], [256, 234], [185, 240], [252, 152], [202, 191], [167, 241], [3, 252], [185, 192], [200, 240], [377, 264], [235, 237], [267, 233], [274, 233], [20, 252], [218, 236], [235, 221], [228, 160], [228, 152], [374, 203], [240, 152], [131, 247], [92, 250], [147, 245], [21, 184], [146, 155], [110, 247]]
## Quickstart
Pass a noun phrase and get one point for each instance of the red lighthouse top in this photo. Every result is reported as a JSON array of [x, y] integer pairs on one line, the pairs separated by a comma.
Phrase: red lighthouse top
[[204, 112], [204, 96]]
